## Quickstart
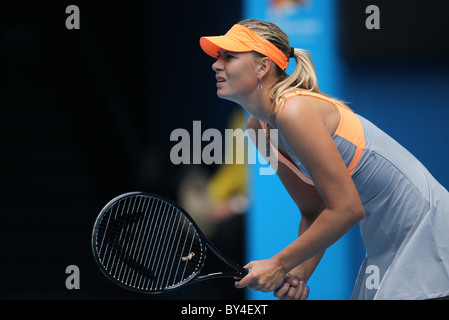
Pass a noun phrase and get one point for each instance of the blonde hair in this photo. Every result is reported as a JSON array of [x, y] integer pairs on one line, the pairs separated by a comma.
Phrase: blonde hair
[[303, 77]]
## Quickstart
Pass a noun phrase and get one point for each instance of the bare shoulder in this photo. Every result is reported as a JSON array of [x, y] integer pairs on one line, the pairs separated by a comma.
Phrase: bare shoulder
[[299, 110], [296, 108]]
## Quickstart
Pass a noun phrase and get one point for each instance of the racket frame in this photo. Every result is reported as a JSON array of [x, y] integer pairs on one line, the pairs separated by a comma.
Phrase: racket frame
[[239, 272]]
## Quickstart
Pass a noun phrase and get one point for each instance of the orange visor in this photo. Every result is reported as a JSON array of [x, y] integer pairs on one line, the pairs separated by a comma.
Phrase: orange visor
[[241, 39]]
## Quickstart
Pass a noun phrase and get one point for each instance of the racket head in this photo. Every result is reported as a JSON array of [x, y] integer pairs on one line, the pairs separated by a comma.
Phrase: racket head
[[146, 243]]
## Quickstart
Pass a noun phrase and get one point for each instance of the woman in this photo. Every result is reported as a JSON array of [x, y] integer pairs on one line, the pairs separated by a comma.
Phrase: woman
[[339, 169]]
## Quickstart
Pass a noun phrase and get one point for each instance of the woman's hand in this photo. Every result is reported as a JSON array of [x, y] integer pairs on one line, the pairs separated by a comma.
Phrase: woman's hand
[[293, 289], [266, 276]]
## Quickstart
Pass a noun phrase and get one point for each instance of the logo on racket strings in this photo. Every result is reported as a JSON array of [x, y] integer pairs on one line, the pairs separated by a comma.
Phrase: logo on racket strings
[[188, 257]]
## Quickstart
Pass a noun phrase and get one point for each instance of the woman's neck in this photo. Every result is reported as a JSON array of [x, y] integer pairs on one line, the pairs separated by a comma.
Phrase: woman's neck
[[261, 106]]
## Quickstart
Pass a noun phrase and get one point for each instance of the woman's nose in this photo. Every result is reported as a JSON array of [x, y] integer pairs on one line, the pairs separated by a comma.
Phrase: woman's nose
[[217, 65]]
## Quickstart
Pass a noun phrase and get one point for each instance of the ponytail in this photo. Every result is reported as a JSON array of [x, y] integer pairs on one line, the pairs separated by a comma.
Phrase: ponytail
[[303, 77]]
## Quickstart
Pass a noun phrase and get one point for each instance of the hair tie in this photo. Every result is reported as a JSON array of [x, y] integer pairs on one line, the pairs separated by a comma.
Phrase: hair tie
[[292, 52]]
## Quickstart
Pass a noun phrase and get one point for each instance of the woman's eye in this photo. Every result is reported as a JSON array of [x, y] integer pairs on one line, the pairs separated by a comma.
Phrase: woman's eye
[[226, 56]]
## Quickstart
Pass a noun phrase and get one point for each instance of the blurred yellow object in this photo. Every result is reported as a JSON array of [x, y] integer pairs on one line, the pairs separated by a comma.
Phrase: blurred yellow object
[[230, 180]]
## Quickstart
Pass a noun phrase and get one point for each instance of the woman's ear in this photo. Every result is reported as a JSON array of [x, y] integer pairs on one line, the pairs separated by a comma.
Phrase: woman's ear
[[264, 66]]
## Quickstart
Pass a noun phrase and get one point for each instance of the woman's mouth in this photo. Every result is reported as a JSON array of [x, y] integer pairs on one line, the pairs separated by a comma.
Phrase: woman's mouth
[[220, 80]]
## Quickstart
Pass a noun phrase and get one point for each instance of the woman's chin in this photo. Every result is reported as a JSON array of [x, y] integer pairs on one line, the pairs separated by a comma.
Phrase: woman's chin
[[222, 94], [226, 96]]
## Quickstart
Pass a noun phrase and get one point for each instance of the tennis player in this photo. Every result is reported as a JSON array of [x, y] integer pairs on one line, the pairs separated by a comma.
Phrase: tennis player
[[340, 169]]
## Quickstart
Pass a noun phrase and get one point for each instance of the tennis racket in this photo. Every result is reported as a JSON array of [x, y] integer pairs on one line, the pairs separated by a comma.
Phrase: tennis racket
[[148, 244]]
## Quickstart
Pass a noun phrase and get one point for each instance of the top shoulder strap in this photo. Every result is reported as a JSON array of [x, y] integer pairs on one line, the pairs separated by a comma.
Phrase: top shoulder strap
[[285, 159]]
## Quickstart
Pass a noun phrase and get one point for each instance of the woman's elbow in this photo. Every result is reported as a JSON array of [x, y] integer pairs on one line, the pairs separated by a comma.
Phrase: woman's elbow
[[351, 209], [356, 212]]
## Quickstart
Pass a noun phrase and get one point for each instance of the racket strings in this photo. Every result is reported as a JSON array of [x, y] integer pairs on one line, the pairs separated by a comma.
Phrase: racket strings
[[148, 244]]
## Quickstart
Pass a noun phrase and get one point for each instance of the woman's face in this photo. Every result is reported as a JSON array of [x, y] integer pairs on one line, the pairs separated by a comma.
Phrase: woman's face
[[236, 75]]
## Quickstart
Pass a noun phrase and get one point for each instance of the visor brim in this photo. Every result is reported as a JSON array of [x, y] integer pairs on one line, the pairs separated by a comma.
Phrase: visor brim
[[211, 45]]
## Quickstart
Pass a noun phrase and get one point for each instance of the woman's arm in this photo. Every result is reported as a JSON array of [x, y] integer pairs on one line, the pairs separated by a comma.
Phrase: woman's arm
[[310, 205], [302, 128], [294, 288], [306, 269]]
